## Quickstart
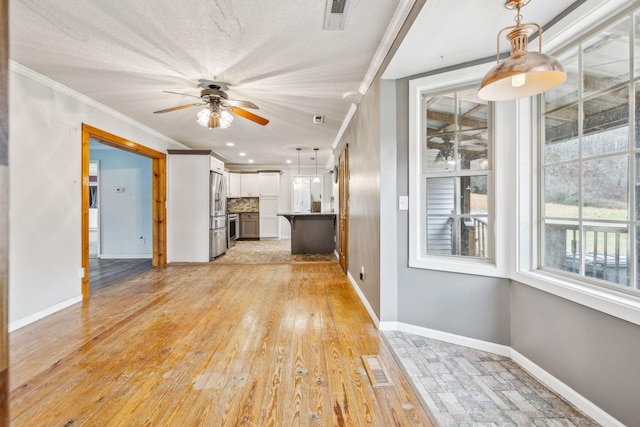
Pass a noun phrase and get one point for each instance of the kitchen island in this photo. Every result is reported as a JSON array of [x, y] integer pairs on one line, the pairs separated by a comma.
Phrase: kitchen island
[[312, 233]]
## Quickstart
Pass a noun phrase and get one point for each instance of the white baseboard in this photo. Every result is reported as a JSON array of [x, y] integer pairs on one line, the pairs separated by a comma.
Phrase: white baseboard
[[17, 324], [125, 256], [502, 350], [578, 400], [572, 396], [364, 301]]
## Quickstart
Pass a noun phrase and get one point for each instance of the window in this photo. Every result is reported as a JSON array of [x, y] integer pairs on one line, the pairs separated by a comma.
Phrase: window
[[590, 183], [455, 166]]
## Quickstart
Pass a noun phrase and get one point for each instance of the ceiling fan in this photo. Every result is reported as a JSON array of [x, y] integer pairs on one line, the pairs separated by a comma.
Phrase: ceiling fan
[[219, 107]]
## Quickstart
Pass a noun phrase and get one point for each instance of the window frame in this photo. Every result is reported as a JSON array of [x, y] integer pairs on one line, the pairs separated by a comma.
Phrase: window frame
[[439, 84], [515, 166], [609, 299]]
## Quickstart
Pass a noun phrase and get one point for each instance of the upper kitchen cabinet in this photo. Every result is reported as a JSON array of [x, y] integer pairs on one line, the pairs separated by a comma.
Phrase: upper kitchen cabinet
[[269, 184], [234, 185], [249, 185]]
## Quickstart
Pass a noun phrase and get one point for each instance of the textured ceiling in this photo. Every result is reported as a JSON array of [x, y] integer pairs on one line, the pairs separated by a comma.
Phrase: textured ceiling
[[124, 54], [276, 54]]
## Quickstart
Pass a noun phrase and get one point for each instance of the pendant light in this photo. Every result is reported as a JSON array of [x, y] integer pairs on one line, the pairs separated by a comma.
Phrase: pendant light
[[523, 73], [297, 179], [317, 178]]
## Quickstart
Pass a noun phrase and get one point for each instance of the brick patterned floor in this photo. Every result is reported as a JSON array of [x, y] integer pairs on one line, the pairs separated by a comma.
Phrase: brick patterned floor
[[461, 386]]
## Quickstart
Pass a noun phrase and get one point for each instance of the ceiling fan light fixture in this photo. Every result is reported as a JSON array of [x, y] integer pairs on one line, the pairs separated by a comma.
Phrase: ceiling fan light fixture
[[225, 119], [523, 73], [203, 117]]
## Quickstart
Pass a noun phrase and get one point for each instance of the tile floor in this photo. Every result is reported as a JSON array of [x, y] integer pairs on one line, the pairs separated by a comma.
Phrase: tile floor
[[466, 387]]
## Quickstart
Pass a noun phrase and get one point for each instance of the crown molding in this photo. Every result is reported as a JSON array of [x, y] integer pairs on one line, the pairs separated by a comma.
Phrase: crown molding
[[59, 87]]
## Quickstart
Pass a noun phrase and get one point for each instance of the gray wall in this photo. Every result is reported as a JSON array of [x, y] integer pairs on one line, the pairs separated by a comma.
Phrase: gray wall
[[363, 137], [471, 306], [595, 354]]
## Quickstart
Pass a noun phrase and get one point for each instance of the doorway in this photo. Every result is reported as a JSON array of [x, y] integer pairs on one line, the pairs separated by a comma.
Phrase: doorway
[[343, 217], [158, 182]]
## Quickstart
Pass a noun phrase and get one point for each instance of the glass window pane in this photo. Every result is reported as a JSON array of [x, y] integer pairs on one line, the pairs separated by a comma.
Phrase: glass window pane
[[561, 135], [441, 208], [440, 133], [456, 142], [637, 111], [605, 188], [561, 194], [605, 253], [606, 120], [457, 225], [637, 43], [637, 185], [567, 93], [562, 112], [637, 281], [606, 59], [473, 150], [562, 246]]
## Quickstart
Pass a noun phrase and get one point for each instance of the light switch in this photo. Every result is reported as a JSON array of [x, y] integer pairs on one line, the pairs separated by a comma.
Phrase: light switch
[[403, 203]]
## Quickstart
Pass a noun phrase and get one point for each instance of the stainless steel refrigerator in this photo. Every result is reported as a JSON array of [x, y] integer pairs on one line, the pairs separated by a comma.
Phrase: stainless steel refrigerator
[[218, 216]]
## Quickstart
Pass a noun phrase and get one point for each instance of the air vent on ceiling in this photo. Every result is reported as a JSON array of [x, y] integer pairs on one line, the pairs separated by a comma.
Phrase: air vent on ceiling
[[335, 14]]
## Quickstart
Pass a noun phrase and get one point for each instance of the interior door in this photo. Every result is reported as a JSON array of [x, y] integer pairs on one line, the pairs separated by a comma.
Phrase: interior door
[[343, 216]]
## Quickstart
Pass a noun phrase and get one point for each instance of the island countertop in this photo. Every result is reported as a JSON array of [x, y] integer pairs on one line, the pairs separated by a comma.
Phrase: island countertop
[[307, 214], [312, 232]]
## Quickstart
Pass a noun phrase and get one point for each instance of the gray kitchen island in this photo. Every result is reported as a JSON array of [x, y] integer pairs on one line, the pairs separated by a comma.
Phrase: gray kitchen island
[[312, 233]]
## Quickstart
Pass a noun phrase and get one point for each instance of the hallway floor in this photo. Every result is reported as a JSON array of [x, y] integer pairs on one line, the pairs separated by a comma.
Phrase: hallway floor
[[465, 387]]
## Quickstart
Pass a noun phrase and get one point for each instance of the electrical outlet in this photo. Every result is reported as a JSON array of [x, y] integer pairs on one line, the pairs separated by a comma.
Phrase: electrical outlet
[[362, 273], [141, 240]]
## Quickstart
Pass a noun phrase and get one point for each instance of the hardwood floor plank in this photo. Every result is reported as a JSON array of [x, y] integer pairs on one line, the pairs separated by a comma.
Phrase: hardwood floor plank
[[209, 344]]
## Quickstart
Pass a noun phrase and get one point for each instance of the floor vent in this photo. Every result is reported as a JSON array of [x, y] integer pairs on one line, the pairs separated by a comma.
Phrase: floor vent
[[376, 372]]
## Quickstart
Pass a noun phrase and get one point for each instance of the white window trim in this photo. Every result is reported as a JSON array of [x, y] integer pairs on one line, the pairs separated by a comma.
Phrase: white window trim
[[417, 259]]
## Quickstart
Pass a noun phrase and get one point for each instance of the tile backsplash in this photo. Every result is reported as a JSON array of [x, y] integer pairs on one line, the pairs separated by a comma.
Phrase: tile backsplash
[[243, 204]]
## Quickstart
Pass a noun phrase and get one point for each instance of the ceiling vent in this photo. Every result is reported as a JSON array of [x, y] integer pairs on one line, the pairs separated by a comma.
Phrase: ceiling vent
[[335, 14]]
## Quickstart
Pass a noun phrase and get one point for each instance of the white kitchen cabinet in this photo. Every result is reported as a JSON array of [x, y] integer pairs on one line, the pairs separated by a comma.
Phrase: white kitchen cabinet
[[188, 205], [269, 219], [249, 185], [269, 184], [234, 185]]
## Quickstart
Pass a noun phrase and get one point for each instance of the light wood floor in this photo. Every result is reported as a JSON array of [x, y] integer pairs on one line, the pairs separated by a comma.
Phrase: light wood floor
[[209, 344]]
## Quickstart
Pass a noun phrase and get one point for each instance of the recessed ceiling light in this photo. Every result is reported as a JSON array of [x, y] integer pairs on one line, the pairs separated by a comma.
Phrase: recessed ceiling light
[[230, 144], [288, 161], [250, 160], [242, 154]]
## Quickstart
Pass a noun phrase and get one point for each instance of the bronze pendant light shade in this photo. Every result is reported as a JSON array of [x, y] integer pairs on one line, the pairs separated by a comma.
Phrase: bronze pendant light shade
[[523, 73]]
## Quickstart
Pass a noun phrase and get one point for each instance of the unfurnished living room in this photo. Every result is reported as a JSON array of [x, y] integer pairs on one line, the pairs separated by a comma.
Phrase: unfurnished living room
[[320, 213]]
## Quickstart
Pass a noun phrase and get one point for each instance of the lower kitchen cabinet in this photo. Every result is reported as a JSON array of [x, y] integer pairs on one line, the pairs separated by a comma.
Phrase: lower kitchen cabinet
[[269, 220], [249, 225]]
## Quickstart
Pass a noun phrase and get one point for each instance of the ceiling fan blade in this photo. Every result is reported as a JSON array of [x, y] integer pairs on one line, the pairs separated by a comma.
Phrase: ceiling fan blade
[[178, 108], [183, 94], [248, 115], [214, 122], [243, 104]]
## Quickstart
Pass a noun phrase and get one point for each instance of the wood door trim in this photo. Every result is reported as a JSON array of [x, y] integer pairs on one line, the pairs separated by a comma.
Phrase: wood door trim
[[159, 192], [343, 217]]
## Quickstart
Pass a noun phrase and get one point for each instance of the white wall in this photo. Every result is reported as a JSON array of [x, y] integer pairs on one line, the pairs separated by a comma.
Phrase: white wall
[[125, 216], [45, 131]]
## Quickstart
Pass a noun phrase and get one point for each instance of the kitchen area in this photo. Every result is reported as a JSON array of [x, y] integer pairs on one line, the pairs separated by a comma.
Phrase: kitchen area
[[210, 207]]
